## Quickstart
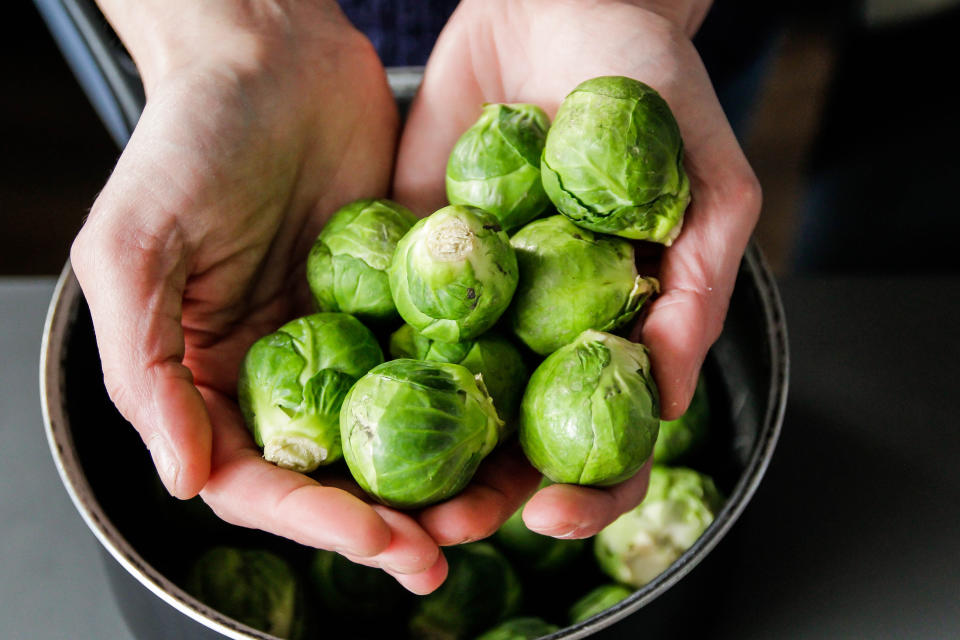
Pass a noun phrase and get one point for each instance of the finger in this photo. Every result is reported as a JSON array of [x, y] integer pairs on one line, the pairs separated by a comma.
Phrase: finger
[[426, 581], [420, 583], [499, 487], [437, 118], [411, 550], [246, 490], [570, 511], [132, 269]]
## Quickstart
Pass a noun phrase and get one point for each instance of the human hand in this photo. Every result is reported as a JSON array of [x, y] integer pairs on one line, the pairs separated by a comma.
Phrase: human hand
[[537, 51], [260, 122]]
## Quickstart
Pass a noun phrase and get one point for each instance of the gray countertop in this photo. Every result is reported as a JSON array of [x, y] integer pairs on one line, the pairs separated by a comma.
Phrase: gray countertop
[[52, 582], [853, 532]]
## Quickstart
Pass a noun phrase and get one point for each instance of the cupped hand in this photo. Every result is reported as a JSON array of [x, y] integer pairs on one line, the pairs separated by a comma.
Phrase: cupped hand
[[259, 123], [537, 51]]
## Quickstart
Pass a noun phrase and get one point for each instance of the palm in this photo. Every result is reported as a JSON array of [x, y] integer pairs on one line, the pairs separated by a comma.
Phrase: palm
[[196, 248], [537, 51], [287, 166], [259, 179]]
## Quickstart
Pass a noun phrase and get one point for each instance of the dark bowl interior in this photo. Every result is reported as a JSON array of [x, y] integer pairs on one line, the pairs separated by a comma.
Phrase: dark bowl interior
[[154, 538]]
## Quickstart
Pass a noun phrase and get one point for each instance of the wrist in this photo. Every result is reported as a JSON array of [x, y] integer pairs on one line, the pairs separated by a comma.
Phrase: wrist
[[686, 15], [165, 36]]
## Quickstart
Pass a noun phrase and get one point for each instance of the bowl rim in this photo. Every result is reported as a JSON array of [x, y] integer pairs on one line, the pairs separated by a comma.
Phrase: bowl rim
[[777, 344], [61, 315], [58, 325]]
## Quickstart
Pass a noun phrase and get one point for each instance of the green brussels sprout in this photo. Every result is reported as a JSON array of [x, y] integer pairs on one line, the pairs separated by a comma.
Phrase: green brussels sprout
[[293, 381], [571, 280], [492, 357], [255, 587], [682, 436], [453, 274], [643, 542], [591, 411], [481, 590], [613, 161], [347, 265], [597, 600], [527, 628], [362, 594], [414, 432], [495, 165], [533, 551]]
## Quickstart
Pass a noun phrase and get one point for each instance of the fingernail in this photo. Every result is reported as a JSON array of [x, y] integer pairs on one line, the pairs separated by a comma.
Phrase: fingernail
[[560, 531], [166, 462]]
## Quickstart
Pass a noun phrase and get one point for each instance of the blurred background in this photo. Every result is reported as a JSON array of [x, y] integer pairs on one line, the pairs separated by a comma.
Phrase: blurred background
[[848, 113], [846, 110]]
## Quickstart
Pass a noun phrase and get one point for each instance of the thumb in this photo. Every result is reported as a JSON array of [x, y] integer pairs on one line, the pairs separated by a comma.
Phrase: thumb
[[131, 262], [697, 277]]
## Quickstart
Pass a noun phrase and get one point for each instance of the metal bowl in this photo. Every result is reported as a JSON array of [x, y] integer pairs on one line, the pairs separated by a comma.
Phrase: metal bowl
[[146, 536]]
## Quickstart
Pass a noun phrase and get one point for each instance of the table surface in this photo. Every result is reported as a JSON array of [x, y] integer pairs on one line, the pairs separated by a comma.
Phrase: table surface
[[853, 533]]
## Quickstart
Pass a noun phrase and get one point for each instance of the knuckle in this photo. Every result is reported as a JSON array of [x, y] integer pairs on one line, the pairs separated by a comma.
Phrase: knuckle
[[117, 385], [746, 193], [111, 235], [82, 252], [715, 326]]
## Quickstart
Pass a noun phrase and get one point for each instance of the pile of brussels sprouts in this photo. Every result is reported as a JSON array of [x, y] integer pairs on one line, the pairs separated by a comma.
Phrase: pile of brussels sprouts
[[501, 316], [514, 586]]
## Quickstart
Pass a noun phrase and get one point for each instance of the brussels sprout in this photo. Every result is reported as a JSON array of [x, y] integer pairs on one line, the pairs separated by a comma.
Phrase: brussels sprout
[[293, 381], [490, 356], [347, 265], [527, 628], [591, 411], [533, 551], [571, 280], [481, 589], [597, 600], [257, 588], [495, 165], [643, 542], [613, 161], [682, 436], [363, 594], [415, 432], [453, 274]]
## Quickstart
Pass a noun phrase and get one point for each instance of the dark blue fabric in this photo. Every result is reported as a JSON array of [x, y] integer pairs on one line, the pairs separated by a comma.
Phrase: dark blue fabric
[[403, 31]]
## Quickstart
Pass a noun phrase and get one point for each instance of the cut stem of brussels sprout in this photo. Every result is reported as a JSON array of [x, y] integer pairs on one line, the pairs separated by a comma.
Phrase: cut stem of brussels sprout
[[298, 453], [643, 288], [293, 382], [450, 240], [453, 274]]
